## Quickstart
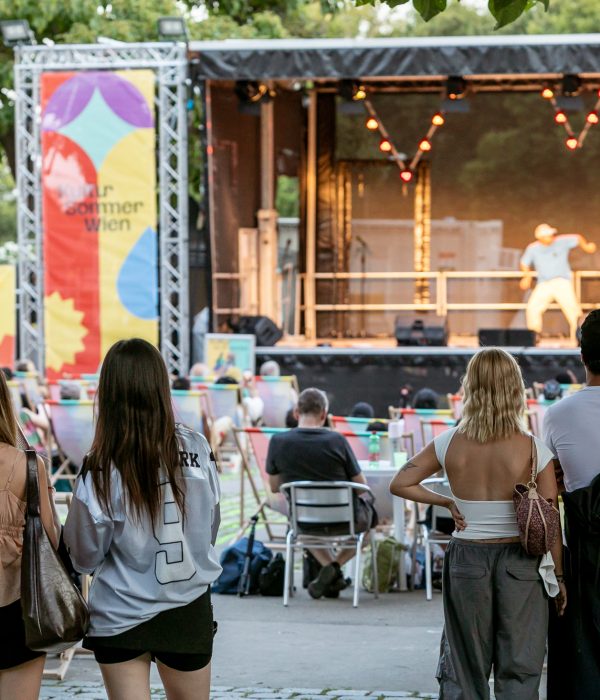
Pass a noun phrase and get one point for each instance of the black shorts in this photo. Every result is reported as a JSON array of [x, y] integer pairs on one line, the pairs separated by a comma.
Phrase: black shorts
[[13, 650], [178, 662], [180, 638]]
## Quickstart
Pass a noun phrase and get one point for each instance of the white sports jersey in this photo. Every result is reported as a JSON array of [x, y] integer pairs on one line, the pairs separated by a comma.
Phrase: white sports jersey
[[139, 572]]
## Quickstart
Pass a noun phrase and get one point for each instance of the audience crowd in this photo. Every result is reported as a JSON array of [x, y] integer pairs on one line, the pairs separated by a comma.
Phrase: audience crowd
[[146, 476]]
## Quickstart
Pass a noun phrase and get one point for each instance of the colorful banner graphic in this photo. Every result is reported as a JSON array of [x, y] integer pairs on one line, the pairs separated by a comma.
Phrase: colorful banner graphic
[[8, 322], [227, 353], [99, 199]]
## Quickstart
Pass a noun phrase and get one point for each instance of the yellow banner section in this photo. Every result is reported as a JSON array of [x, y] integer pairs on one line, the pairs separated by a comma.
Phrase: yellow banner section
[[8, 321]]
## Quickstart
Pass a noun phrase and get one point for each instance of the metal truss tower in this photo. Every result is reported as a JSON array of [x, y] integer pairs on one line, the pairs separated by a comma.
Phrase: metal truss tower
[[170, 64]]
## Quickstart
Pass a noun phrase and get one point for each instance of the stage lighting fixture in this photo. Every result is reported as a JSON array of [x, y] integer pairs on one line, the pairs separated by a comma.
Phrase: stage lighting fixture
[[560, 117], [372, 124], [385, 145], [352, 91], [438, 119], [592, 117], [572, 143], [16, 32], [425, 145], [456, 87], [406, 175], [547, 93], [571, 85], [251, 91], [171, 29]]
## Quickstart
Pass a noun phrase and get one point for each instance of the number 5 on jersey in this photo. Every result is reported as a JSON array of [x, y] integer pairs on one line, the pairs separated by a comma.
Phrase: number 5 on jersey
[[173, 559]]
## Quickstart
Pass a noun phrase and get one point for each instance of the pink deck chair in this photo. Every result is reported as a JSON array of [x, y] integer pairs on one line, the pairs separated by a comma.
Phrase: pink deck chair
[[72, 424], [278, 394]]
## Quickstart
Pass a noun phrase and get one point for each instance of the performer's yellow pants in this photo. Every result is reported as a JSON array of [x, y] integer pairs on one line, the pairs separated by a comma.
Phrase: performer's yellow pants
[[560, 290]]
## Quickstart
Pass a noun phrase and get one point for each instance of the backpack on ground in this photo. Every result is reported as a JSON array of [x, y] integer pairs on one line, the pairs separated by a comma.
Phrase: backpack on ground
[[388, 553], [272, 576], [232, 561]]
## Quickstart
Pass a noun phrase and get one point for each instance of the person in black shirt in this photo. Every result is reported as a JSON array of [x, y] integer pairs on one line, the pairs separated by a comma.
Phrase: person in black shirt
[[315, 453]]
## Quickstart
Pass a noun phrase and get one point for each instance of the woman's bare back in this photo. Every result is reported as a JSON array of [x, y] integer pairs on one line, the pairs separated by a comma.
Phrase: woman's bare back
[[488, 471]]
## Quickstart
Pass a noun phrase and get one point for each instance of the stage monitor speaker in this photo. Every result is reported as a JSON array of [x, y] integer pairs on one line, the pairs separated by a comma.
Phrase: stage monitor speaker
[[262, 327], [417, 333], [507, 337]]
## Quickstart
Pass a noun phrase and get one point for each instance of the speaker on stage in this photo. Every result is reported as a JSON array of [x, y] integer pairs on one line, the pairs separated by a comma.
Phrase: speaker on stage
[[506, 337], [418, 333], [262, 327]]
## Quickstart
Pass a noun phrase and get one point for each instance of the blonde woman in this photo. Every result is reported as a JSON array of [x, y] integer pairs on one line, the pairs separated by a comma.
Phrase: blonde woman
[[495, 608]]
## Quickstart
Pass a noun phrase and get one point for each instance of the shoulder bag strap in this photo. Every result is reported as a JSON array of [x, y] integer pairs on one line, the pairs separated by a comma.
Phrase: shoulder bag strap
[[33, 486], [533, 477]]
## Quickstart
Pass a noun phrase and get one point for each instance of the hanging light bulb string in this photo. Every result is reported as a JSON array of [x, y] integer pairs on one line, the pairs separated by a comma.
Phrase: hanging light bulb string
[[591, 120], [394, 153], [425, 143], [572, 142]]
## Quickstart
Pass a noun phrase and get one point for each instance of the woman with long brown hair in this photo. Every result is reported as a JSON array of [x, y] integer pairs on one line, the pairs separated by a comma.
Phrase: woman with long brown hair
[[495, 609], [143, 521], [20, 668]]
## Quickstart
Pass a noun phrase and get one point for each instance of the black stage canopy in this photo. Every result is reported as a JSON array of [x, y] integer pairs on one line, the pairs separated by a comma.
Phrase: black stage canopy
[[501, 56]]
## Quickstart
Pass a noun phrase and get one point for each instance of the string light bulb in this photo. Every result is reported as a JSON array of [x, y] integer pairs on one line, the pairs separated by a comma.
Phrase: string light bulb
[[572, 143], [592, 117], [385, 146], [425, 145], [547, 93], [438, 119], [560, 117], [372, 124], [406, 175], [360, 93]]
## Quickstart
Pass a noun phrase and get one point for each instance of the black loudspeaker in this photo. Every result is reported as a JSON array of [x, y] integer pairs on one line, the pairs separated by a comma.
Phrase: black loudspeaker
[[417, 333], [507, 337], [262, 327]]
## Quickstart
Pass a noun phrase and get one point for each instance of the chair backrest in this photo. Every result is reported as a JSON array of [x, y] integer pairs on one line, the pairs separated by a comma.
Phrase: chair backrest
[[359, 443], [29, 384], [441, 486], [258, 439], [432, 427], [73, 427], [325, 503], [224, 399], [278, 395], [455, 401], [87, 387], [351, 424], [187, 406], [15, 395]]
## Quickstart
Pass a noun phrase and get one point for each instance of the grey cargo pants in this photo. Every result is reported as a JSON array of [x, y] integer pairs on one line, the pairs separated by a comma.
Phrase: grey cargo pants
[[496, 616]]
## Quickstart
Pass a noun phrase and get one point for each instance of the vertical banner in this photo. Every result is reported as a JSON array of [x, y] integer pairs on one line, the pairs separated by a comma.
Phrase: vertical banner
[[8, 322], [99, 214]]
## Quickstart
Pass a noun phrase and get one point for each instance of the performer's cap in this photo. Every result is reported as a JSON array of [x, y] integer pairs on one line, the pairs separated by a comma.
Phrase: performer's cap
[[544, 230]]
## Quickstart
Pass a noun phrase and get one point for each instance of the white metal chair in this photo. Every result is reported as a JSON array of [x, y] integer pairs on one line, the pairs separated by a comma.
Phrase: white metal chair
[[324, 503], [432, 536]]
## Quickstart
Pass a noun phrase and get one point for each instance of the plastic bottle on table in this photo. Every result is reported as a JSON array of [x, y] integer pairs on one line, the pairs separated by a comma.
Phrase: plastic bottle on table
[[374, 451], [395, 432]]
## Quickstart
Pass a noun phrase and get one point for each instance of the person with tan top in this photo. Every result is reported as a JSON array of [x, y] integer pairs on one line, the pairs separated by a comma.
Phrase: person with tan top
[[20, 667]]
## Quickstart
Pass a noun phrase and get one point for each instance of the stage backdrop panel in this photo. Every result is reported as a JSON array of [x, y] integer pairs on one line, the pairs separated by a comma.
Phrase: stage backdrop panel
[[99, 214], [8, 323]]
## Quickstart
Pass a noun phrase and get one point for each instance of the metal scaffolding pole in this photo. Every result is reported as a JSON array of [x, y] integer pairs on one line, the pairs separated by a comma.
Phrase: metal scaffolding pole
[[169, 62]]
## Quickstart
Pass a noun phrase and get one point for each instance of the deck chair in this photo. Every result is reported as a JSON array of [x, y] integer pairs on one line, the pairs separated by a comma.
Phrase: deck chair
[[349, 424], [72, 425], [455, 401], [324, 503], [359, 442], [15, 395], [253, 445], [187, 406], [432, 427], [278, 394]]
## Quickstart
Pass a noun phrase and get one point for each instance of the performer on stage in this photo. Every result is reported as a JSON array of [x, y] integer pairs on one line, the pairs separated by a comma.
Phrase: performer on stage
[[549, 256]]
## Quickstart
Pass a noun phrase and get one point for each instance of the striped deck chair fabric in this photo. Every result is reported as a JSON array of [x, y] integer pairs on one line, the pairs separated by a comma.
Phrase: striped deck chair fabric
[[187, 406], [259, 439], [278, 395], [73, 428]]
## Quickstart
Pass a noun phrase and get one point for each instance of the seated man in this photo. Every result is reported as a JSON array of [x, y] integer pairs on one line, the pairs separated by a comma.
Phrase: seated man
[[312, 452]]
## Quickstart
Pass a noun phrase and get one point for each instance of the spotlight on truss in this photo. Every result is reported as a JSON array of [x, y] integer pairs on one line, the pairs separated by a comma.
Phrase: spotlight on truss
[[172, 29], [16, 32], [456, 87], [571, 85]]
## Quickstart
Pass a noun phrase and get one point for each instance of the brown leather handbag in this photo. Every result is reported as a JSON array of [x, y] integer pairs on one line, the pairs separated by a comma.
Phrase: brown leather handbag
[[54, 612], [538, 518]]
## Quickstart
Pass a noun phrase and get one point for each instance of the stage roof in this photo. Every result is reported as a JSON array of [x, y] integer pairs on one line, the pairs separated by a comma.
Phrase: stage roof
[[472, 57]]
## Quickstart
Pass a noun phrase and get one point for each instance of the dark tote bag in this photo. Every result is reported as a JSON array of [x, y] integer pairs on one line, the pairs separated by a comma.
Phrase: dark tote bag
[[54, 612]]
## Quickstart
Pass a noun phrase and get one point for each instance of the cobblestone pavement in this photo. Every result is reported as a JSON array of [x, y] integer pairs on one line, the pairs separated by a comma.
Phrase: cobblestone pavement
[[63, 690]]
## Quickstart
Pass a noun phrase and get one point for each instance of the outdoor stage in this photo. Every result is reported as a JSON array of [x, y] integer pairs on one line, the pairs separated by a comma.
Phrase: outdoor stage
[[375, 371]]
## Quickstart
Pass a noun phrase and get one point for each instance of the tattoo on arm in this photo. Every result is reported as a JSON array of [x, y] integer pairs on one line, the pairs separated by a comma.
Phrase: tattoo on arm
[[409, 465]]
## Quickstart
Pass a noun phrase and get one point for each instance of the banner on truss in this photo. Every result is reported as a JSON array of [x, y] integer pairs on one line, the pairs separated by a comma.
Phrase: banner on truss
[[99, 214], [8, 321]]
